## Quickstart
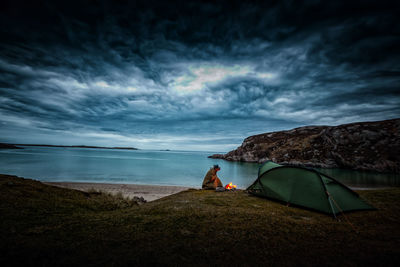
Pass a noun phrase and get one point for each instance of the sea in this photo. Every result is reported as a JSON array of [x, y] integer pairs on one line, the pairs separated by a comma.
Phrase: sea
[[152, 167]]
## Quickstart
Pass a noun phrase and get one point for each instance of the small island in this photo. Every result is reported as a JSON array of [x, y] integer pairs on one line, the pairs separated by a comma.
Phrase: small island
[[8, 146], [17, 146]]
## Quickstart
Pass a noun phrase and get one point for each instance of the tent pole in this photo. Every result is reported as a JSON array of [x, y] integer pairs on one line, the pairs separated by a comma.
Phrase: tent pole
[[330, 203], [327, 195]]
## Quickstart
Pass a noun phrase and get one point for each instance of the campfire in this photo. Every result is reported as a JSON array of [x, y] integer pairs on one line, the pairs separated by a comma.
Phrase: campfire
[[230, 186]]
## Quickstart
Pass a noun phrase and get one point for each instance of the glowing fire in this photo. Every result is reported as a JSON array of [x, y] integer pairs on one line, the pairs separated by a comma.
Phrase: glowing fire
[[230, 186]]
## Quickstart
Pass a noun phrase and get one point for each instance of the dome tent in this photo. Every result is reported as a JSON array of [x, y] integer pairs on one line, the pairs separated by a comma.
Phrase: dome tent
[[305, 188]]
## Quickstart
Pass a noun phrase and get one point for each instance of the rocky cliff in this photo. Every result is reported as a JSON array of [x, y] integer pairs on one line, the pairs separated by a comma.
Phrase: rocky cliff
[[360, 146]]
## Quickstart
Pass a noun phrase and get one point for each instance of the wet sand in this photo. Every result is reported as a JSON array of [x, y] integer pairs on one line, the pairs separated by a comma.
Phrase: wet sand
[[148, 192]]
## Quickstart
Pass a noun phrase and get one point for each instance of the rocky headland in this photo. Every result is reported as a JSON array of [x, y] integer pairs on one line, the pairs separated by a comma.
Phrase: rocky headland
[[372, 146]]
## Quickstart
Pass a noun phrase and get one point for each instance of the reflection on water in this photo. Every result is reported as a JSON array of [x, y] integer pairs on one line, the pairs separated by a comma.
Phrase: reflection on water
[[148, 167], [363, 178]]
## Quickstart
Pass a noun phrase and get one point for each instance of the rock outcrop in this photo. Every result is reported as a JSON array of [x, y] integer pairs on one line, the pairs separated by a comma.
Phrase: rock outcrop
[[361, 146]]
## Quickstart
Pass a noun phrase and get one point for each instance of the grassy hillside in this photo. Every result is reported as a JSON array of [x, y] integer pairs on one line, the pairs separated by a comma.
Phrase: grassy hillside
[[43, 225]]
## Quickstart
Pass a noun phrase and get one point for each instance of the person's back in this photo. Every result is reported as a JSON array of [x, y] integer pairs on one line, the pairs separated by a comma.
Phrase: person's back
[[211, 180]]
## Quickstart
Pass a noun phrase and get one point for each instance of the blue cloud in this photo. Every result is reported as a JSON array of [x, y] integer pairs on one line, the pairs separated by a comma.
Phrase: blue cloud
[[197, 76]]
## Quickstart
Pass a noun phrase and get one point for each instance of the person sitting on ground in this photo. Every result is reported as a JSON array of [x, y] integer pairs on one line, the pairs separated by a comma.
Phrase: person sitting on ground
[[211, 180]]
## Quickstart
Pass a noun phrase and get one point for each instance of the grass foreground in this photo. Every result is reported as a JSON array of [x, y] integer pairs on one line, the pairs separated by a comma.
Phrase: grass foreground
[[42, 225]]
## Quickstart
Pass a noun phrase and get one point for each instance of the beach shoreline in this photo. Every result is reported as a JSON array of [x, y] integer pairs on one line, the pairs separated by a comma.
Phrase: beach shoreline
[[148, 192]]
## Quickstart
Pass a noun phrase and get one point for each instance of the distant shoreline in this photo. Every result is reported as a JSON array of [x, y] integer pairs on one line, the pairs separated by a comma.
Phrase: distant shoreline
[[80, 146]]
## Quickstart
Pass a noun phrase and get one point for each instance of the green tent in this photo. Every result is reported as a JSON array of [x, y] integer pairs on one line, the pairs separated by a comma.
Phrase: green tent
[[306, 188]]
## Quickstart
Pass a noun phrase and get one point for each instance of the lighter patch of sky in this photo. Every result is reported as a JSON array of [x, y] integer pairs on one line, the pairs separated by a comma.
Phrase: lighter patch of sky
[[118, 87], [102, 84], [24, 70], [15, 120], [200, 76]]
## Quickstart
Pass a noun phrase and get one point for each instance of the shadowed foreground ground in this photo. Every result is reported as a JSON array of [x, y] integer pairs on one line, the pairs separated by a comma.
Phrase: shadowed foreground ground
[[43, 225]]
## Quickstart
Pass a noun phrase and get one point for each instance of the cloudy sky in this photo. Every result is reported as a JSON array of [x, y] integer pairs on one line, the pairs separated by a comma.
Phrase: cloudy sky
[[192, 75]]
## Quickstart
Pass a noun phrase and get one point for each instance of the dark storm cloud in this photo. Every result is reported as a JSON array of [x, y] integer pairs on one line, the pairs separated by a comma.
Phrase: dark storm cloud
[[193, 74]]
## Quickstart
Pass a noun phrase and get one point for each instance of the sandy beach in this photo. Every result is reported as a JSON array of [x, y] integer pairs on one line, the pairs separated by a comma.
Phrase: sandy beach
[[148, 192]]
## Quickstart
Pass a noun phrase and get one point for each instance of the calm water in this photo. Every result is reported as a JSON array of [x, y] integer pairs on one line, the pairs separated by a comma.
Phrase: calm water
[[148, 167]]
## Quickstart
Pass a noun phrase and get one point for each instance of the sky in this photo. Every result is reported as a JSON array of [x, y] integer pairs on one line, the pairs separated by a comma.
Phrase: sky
[[192, 75]]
